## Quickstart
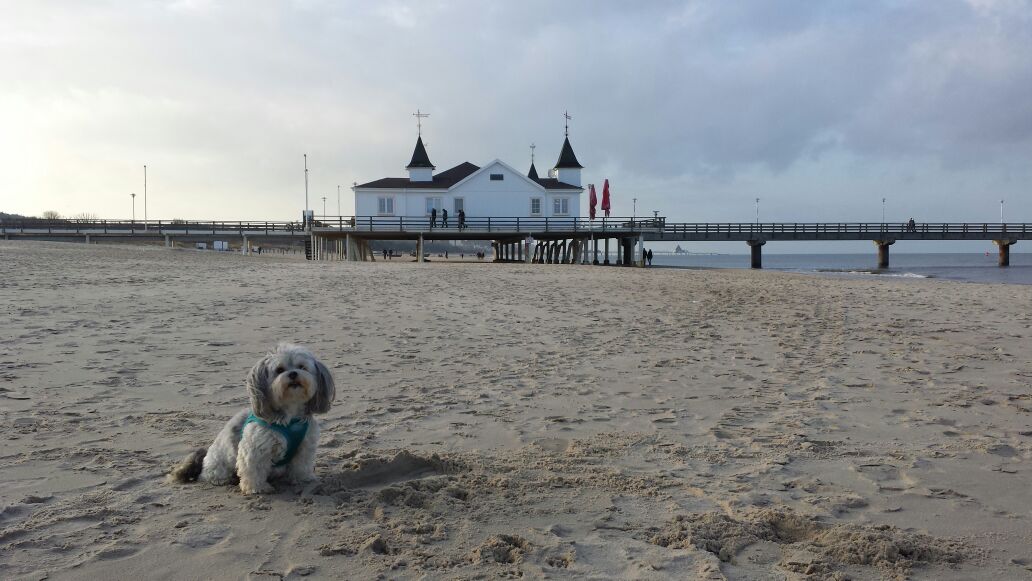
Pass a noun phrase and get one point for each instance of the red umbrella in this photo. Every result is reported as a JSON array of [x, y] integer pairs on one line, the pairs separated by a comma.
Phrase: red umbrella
[[605, 197], [592, 200]]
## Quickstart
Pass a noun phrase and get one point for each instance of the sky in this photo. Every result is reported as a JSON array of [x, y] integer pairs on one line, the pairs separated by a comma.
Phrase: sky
[[695, 108]]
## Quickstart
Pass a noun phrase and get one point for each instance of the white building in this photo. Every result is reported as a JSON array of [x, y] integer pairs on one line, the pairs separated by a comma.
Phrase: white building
[[494, 190]]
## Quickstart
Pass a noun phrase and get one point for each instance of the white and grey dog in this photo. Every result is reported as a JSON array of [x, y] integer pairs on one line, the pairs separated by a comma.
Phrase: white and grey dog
[[277, 436]]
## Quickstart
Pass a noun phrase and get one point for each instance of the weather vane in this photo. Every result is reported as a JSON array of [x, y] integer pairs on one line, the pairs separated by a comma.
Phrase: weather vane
[[532, 146], [419, 121], [567, 115]]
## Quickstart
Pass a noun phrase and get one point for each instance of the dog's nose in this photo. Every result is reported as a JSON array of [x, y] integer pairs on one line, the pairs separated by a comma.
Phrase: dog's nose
[[293, 375]]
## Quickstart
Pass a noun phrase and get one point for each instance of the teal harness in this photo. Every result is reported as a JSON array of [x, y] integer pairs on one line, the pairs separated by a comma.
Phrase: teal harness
[[294, 433]]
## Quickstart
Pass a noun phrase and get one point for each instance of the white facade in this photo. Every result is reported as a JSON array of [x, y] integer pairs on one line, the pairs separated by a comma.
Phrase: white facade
[[495, 190]]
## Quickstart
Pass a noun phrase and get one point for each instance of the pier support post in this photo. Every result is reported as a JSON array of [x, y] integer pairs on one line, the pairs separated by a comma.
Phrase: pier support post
[[245, 249], [168, 241], [641, 250], [1004, 251], [594, 242], [87, 239], [883, 252], [607, 253], [755, 247], [419, 248]]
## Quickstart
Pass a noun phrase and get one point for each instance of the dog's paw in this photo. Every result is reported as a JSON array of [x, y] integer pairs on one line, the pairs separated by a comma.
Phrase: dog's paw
[[249, 488], [304, 478]]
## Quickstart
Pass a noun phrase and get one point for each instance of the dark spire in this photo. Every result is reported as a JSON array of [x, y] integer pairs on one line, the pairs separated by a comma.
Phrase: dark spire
[[419, 156], [567, 158], [532, 174]]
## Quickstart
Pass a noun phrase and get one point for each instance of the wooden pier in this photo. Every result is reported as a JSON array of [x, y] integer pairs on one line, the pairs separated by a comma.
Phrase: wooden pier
[[535, 240]]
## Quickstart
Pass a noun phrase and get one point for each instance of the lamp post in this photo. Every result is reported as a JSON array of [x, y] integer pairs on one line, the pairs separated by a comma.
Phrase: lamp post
[[338, 199], [324, 206], [883, 210], [757, 210], [1001, 211], [133, 196], [634, 208], [144, 197], [306, 185]]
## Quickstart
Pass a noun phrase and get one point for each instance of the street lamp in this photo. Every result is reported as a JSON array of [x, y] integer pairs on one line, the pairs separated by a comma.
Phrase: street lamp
[[757, 210], [133, 196], [324, 205], [306, 184], [1001, 211], [338, 199], [634, 208], [144, 197], [883, 210]]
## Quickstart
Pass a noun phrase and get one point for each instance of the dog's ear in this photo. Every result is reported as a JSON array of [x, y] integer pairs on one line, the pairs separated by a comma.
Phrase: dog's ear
[[258, 388], [325, 391]]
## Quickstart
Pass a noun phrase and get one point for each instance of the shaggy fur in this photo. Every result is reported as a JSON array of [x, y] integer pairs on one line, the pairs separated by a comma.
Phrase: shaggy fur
[[286, 384]]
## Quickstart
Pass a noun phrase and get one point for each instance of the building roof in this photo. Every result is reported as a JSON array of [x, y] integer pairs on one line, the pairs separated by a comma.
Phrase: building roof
[[441, 181], [532, 174], [419, 156], [450, 177], [554, 184], [567, 159]]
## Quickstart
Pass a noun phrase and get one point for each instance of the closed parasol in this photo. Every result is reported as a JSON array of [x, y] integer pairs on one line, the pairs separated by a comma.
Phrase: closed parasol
[[605, 197], [592, 201]]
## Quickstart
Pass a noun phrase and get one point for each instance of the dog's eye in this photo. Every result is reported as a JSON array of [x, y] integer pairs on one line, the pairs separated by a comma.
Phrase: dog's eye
[[302, 367], [279, 370]]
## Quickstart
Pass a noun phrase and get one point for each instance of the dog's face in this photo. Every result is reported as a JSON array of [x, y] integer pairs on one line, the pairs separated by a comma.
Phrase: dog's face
[[290, 378]]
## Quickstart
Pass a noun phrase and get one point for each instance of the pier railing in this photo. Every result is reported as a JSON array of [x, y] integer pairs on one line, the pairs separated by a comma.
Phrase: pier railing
[[139, 227], [846, 228], [480, 225]]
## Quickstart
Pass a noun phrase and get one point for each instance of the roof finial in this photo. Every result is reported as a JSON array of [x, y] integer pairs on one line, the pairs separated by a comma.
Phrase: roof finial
[[567, 115], [532, 146], [419, 121]]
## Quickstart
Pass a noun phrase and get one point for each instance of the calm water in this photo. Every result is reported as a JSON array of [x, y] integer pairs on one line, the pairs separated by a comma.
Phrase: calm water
[[965, 267]]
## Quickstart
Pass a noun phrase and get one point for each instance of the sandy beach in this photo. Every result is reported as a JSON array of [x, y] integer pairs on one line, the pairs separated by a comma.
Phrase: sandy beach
[[500, 420]]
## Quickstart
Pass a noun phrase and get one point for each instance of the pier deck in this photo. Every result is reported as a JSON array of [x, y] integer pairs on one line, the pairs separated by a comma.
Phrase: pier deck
[[554, 240]]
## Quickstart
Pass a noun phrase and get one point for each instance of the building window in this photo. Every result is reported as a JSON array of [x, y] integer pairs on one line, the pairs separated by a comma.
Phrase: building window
[[497, 177], [385, 206], [560, 206], [432, 204], [460, 205], [535, 206]]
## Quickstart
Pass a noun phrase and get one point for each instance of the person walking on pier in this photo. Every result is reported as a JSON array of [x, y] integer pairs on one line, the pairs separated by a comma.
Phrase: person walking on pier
[[433, 217], [462, 219], [911, 225], [444, 218]]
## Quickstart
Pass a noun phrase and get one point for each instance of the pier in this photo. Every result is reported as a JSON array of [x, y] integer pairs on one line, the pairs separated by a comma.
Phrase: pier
[[518, 239]]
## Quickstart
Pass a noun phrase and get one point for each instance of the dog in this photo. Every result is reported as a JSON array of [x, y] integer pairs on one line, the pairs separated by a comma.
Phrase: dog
[[277, 436]]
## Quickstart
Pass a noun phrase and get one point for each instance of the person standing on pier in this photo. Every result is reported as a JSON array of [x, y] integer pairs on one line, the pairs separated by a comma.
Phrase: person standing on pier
[[444, 218], [433, 217]]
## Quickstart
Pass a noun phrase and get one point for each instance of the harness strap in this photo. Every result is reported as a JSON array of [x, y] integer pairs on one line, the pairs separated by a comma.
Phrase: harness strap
[[294, 433]]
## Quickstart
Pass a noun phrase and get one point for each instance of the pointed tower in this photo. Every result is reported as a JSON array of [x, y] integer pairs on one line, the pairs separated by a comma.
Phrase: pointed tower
[[532, 174], [420, 169], [567, 169]]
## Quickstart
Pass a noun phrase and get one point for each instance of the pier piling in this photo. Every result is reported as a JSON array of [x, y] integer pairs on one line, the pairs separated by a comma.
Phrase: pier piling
[[883, 252], [755, 247], [1004, 246]]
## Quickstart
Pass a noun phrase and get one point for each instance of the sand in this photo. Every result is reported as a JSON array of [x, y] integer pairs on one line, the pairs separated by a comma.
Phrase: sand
[[516, 420]]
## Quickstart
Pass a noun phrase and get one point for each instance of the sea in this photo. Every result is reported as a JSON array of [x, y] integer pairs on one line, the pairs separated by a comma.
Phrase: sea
[[968, 267]]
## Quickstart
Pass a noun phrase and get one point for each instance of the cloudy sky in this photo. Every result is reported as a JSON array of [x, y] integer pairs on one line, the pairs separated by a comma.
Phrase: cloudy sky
[[696, 108]]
